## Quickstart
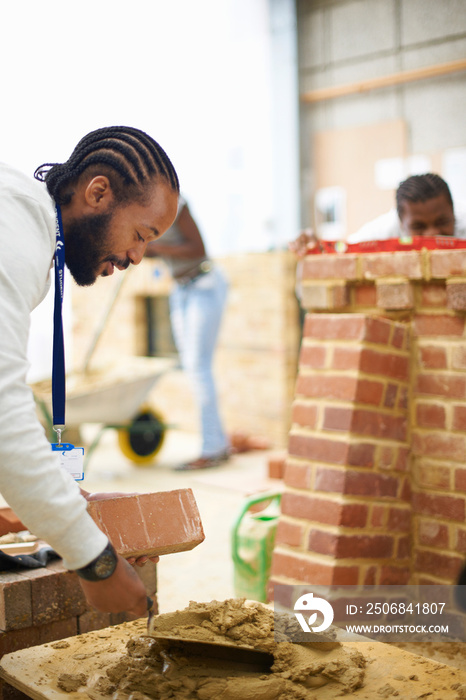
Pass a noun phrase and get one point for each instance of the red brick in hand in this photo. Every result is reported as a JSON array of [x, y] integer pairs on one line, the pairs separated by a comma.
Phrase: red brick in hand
[[150, 524], [9, 522]]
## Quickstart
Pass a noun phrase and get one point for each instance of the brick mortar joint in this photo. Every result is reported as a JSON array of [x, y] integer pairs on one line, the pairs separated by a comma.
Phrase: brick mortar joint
[[424, 519], [424, 257], [321, 495], [367, 408], [359, 345], [327, 282], [294, 520], [451, 553], [374, 533], [305, 555], [439, 311], [431, 492], [426, 266], [324, 527], [280, 579], [350, 406], [356, 373], [393, 280], [355, 438], [374, 561], [433, 463], [455, 280], [449, 407]]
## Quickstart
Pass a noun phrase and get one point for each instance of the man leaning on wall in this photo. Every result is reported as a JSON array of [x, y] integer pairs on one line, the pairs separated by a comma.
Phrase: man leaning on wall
[[424, 207]]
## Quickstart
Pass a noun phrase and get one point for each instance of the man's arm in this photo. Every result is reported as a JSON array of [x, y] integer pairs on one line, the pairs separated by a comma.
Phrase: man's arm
[[43, 496], [306, 241], [381, 228]]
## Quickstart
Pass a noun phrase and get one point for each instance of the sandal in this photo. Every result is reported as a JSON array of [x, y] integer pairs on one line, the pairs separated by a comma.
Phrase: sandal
[[204, 462]]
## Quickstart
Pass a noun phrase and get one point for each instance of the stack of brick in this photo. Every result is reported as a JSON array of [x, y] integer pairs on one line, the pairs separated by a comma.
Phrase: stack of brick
[[47, 604], [258, 346], [39, 606], [375, 479], [257, 349]]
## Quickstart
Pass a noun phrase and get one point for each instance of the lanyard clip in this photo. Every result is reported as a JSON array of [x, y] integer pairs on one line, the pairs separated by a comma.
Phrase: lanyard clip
[[59, 429]]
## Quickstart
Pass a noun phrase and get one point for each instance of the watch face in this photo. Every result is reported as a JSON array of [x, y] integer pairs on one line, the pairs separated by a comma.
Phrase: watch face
[[105, 566]]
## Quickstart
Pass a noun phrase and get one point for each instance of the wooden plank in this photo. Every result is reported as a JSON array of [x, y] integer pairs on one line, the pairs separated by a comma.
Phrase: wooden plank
[[408, 76], [35, 671], [346, 158]]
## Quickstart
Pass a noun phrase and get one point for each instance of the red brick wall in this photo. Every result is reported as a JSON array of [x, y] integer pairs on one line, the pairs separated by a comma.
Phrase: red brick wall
[[375, 486]]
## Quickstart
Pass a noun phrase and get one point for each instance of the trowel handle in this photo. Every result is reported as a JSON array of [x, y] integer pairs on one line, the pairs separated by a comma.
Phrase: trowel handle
[[150, 613]]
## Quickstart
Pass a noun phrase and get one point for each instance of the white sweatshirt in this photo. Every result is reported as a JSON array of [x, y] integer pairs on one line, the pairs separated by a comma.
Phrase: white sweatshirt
[[43, 496]]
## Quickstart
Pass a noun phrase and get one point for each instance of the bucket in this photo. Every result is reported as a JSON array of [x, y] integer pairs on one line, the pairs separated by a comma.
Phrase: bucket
[[252, 542]]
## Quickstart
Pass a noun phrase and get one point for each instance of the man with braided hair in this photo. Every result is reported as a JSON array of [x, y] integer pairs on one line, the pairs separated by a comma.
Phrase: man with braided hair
[[117, 192]]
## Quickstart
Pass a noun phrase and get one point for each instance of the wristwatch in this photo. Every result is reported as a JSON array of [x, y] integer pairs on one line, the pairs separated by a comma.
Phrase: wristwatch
[[101, 567]]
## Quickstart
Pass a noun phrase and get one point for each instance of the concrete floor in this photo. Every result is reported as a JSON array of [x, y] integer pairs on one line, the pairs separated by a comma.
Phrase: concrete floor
[[206, 572]]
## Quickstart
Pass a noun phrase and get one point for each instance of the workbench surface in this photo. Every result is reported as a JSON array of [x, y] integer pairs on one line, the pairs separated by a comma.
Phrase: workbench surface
[[36, 671], [79, 664]]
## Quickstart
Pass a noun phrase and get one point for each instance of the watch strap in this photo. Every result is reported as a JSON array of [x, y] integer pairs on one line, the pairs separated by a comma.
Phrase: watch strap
[[102, 567]]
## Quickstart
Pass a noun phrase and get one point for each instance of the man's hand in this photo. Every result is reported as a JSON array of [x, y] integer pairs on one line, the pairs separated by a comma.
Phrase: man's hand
[[307, 240], [123, 591]]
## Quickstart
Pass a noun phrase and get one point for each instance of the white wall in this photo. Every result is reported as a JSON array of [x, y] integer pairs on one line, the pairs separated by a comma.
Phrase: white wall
[[342, 42], [193, 74], [196, 75]]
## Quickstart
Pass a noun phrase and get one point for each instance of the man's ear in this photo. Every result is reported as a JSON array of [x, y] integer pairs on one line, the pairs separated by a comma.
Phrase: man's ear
[[98, 193]]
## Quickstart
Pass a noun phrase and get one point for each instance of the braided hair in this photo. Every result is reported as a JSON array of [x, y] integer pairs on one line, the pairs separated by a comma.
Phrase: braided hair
[[421, 188], [128, 157]]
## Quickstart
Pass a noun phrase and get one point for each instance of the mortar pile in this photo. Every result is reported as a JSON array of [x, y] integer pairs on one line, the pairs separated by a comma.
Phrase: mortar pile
[[157, 669]]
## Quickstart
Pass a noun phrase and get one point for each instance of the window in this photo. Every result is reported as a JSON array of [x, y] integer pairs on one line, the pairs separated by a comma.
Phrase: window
[[159, 334]]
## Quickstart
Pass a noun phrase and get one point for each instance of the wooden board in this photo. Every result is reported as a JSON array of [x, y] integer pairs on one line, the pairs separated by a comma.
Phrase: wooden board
[[346, 158], [35, 671]]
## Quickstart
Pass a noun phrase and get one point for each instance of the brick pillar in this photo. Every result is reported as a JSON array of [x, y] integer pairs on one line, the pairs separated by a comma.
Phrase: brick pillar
[[438, 432], [375, 417], [346, 509]]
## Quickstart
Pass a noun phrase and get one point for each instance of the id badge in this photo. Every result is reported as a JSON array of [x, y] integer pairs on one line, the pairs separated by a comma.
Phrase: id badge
[[71, 459]]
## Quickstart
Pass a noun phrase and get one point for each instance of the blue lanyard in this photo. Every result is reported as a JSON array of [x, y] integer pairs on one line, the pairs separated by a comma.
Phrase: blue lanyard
[[58, 366]]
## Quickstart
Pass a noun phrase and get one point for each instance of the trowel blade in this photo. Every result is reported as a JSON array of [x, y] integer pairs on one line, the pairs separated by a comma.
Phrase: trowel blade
[[249, 657], [224, 649]]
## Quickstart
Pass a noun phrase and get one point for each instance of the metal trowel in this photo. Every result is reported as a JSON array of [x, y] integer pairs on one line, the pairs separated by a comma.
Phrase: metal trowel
[[238, 655]]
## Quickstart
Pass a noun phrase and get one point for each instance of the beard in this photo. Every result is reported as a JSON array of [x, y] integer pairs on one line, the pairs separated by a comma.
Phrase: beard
[[87, 243]]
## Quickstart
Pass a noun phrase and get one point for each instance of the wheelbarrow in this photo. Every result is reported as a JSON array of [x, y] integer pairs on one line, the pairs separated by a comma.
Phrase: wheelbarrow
[[113, 397]]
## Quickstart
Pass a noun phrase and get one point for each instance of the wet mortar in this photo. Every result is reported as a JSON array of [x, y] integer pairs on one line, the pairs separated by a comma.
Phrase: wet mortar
[[153, 669]]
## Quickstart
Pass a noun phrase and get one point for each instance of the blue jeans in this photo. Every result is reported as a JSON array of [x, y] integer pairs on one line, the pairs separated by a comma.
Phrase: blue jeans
[[196, 311]]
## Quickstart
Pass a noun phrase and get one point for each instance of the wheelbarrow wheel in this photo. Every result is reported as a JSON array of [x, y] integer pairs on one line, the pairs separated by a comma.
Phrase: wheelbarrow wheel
[[143, 439]]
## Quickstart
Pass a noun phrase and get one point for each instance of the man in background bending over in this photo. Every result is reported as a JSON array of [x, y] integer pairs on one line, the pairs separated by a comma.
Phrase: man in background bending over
[[424, 207]]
